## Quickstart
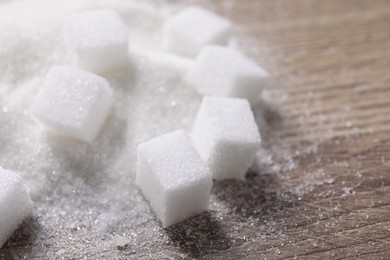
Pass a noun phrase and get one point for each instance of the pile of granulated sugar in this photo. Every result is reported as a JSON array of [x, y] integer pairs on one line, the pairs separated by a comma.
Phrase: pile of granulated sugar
[[86, 204]]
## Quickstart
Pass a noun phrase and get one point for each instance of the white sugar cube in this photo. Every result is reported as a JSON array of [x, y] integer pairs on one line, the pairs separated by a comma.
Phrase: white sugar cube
[[189, 31], [73, 103], [224, 72], [226, 136], [173, 177], [99, 39], [15, 203]]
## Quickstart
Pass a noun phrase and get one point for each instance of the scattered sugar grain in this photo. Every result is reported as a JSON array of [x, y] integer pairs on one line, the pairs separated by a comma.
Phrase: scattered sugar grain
[[121, 242]]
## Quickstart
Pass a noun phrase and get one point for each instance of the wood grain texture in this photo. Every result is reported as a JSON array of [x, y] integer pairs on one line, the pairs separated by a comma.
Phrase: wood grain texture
[[330, 61]]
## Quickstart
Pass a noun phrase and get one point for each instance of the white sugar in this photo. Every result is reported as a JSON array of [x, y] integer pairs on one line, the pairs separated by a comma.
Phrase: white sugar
[[99, 39], [225, 72], [84, 193], [226, 136], [173, 177], [188, 31], [15, 203], [148, 100], [73, 103]]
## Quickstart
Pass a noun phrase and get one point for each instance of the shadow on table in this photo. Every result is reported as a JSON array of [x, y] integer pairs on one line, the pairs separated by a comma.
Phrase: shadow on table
[[21, 242], [199, 236], [268, 119], [256, 199]]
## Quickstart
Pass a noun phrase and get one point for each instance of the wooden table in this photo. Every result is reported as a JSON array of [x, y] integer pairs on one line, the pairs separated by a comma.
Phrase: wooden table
[[332, 60], [328, 128]]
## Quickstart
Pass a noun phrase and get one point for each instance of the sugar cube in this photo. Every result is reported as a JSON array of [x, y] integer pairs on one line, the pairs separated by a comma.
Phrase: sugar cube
[[225, 72], [190, 30], [173, 177], [73, 103], [226, 136], [99, 39], [15, 203]]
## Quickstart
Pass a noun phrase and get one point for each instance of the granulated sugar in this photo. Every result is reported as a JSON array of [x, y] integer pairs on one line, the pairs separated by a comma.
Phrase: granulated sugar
[[86, 204]]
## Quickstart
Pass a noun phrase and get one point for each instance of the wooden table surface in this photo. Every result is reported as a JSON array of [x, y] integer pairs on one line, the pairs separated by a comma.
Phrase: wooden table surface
[[332, 60], [330, 199]]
